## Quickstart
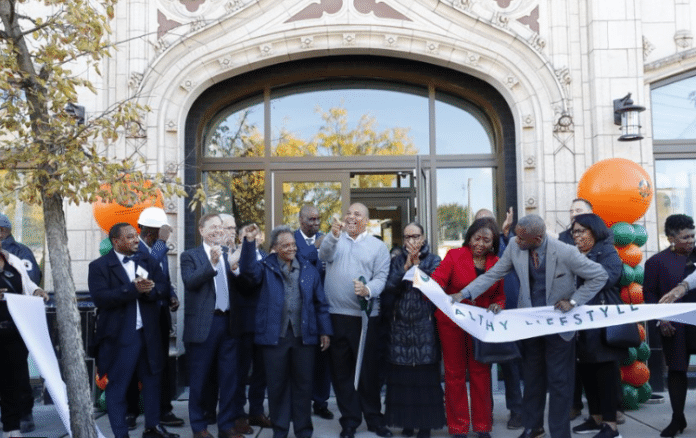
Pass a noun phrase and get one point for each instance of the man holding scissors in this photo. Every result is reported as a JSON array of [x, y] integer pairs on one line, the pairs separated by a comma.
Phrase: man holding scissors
[[357, 265]]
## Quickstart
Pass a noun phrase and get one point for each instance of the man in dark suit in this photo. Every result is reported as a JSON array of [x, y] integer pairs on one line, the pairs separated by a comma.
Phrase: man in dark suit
[[308, 238], [125, 286], [547, 269], [210, 327]]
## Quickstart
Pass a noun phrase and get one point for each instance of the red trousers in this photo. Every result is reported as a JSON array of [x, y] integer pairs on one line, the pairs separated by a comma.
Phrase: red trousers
[[458, 357]]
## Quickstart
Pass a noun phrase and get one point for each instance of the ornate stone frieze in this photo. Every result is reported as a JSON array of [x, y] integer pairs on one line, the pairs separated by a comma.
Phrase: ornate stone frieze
[[348, 39], [462, 5], [197, 24], [265, 50], [432, 47], [683, 39], [564, 123], [307, 42], [648, 47], [390, 40], [134, 80], [537, 42]]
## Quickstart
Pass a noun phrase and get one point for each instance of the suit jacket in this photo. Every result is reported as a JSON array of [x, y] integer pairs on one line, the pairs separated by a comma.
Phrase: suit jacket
[[563, 263], [159, 253], [310, 252], [115, 296], [198, 275]]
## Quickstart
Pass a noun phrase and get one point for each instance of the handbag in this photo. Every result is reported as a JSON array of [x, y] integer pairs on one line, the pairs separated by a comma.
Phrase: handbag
[[495, 352], [621, 335]]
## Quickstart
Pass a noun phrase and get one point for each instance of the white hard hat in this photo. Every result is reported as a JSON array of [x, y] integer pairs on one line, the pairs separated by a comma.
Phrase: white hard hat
[[153, 217]]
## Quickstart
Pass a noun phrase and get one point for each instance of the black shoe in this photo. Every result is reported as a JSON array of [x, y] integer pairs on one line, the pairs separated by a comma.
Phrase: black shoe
[[515, 421], [607, 432], [324, 413], [588, 426], [382, 431], [533, 433], [407, 432], [26, 423], [677, 425], [158, 432], [348, 432], [169, 419], [130, 421]]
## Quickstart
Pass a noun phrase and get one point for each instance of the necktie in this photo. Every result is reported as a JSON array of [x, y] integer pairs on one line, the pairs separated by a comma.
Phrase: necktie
[[222, 294], [535, 258]]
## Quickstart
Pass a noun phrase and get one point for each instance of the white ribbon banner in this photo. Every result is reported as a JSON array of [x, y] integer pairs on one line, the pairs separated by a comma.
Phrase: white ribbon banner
[[29, 315], [516, 324]]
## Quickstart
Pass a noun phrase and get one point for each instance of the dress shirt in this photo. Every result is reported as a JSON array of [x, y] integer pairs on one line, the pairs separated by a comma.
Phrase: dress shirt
[[130, 267]]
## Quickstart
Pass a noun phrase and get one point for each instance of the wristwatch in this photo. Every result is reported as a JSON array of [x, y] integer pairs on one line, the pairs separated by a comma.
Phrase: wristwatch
[[572, 302]]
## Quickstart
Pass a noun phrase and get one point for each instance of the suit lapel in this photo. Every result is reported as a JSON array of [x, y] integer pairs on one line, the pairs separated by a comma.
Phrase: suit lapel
[[551, 260], [117, 267]]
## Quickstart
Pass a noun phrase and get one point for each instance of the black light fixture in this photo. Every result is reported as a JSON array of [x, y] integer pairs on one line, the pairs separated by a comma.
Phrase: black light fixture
[[627, 115]]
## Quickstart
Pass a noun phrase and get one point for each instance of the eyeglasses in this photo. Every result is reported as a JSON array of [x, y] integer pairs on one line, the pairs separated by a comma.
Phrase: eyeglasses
[[412, 236], [578, 231]]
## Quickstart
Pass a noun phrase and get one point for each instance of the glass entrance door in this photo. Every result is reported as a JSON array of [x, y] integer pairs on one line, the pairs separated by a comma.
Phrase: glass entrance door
[[328, 191]]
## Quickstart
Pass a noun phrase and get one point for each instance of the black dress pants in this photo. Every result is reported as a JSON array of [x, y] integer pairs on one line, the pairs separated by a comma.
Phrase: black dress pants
[[14, 374]]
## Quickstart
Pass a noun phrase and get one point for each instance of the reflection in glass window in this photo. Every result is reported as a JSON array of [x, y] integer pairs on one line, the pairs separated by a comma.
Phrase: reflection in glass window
[[675, 192], [240, 193], [460, 128], [381, 180], [674, 110], [460, 194], [326, 196], [349, 122], [236, 133]]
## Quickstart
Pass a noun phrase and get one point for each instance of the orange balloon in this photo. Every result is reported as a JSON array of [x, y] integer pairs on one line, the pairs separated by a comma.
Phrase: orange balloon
[[635, 374], [618, 189], [641, 330], [109, 214], [630, 254], [632, 294]]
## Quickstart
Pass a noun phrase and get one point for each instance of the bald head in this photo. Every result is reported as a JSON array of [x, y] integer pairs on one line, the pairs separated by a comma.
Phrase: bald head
[[356, 219], [309, 220], [532, 224], [484, 212]]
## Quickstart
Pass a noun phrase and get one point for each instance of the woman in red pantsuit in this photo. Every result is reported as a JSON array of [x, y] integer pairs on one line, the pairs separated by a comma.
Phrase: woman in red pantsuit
[[459, 268]]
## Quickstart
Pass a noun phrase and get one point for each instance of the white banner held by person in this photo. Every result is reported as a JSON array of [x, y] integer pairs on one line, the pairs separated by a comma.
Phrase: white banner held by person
[[29, 315], [516, 324]]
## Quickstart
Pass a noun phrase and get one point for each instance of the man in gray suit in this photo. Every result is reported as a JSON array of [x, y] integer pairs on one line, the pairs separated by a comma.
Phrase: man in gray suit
[[547, 269]]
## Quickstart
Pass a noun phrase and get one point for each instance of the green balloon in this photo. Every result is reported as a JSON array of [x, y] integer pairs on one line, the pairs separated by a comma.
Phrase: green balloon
[[623, 233], [630, 397], [644, 392], [101, 402], [643, 352], [105, 246], [627, 275], [638, 274], [632, 356], [640, 235]]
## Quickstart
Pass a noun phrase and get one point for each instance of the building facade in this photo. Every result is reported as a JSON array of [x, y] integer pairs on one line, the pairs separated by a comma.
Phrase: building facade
[[422, 109]]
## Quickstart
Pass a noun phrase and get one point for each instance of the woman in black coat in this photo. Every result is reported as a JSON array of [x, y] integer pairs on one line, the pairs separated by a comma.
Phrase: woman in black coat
[[414, 394], [663, 273], [598, 364]]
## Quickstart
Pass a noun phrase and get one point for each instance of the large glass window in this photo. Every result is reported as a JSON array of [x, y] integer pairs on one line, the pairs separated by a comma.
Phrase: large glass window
[[240, 193], [675, 192], [236, 132], [461, 128], [674, 110]]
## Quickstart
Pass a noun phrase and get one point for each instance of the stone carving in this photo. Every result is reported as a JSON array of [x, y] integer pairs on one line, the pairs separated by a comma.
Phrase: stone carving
[[511, 81], [171, 168], [473, 58], [463, 5], [266, 50], [531, 203], [170, 126], [390, 40], [564, 123], [648, 47], [197, 24], [187, 85], [563, 75], [432, 47], [683, 39], [135, 80], [348, 39], [161, 45], [500, 20], [307, 42], [537, 42], [233, 6], [225, 62], [528, 121], [530, 162]]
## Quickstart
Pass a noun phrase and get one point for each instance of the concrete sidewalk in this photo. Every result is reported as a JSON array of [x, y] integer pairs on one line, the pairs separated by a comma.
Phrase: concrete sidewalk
[[647, 421]]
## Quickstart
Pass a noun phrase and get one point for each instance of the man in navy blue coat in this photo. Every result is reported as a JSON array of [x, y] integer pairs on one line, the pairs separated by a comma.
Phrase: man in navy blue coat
[[307, 238], [211, 327], [126, 286]]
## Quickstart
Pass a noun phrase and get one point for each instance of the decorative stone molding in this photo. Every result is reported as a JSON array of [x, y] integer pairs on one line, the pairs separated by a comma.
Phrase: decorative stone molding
[[648, 47], [171, 126], [135, 79], [528, 121], [161, 45], [266, 50], [391, 40], [500, 20], [171, 168], [537, 42], [462, 5], [233, 6], [348, 39], [530, 162], [306, 42], [563, 75], [683, 39], [511, 81], [187, 85], [564, 123], [225, 62], [473, 58], [531, 203], [197, 24], [170, 206], [432, 47]]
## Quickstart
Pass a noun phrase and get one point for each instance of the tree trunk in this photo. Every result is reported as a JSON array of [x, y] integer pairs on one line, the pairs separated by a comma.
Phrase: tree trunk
[[72, 358]]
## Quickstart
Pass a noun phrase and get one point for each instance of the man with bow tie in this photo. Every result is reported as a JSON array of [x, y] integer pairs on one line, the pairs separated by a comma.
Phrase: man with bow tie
[[126, 286]]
